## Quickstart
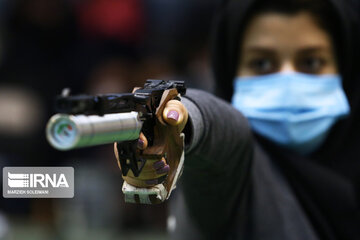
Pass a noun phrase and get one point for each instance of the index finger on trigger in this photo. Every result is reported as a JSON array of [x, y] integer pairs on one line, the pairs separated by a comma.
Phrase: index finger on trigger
[[142, 142]]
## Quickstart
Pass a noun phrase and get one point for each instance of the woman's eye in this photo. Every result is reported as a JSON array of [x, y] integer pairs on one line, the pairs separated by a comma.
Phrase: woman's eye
[[262, 66], [311, 65]]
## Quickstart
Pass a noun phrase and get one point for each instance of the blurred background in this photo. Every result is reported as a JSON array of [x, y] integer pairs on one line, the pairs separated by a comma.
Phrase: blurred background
[[92, 47]]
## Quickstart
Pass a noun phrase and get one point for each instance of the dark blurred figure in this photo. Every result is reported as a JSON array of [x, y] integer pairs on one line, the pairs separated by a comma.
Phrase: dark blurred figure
[[180, 30]]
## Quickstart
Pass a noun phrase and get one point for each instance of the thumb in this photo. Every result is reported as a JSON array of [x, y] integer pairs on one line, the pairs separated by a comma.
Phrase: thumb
[[175, 114]]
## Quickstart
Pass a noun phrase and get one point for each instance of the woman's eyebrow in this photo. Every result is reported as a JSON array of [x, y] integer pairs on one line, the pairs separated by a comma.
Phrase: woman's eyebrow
[[306, 50]]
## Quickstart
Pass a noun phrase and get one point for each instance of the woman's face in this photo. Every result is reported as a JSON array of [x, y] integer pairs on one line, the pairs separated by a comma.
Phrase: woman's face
[[276, 43]]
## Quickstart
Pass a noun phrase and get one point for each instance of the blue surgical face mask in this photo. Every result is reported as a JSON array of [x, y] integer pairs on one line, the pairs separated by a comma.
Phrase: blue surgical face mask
[[294, 110]]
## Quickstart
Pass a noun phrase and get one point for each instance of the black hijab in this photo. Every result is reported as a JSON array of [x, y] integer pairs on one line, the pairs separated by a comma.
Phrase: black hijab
[[326, 182]]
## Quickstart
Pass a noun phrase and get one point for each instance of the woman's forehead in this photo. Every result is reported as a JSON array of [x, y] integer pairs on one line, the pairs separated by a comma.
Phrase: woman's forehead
[[276, 30]]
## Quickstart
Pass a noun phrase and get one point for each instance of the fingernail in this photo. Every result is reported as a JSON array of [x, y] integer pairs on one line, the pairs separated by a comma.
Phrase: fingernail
[[140, 143], [173, 115], [158, 165], [163, 170], [151, 182]]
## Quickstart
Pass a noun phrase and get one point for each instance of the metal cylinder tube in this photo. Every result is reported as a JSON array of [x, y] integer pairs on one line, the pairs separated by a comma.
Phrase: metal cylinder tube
[[65, 132]]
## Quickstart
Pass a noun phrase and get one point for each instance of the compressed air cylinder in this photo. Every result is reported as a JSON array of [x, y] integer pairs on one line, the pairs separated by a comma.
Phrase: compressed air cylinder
[[65, 132]]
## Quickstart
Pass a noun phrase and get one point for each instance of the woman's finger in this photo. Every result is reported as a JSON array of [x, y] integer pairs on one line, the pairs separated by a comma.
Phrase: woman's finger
[[159, 164], [142, 142], [175, 114]]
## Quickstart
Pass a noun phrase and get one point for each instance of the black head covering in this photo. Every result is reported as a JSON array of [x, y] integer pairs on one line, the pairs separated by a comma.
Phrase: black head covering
[[326, 182]]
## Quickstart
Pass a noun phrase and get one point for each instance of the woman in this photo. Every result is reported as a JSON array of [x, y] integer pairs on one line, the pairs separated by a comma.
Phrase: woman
[[281, 162]]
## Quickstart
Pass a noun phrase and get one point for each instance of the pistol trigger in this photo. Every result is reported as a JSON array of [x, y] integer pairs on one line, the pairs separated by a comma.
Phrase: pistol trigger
[[129, 159]]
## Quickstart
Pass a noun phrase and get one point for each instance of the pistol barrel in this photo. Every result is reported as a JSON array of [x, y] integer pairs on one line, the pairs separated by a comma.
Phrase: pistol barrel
[[65, 132]]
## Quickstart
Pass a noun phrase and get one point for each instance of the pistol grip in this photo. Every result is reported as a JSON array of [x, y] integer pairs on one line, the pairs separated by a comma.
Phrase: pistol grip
[[129, 158], [168, 143]]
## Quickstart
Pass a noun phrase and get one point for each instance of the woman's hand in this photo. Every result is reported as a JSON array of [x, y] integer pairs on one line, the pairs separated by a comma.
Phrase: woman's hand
[[156, 170]]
